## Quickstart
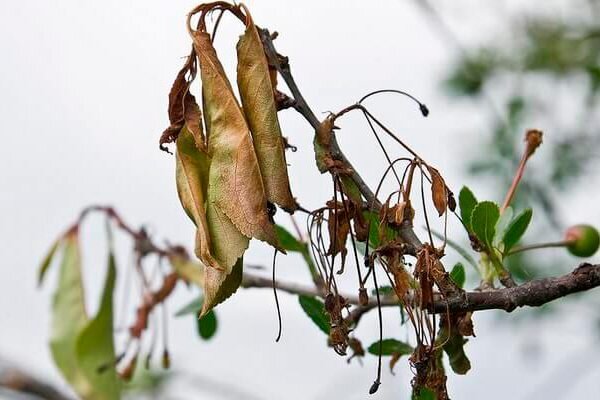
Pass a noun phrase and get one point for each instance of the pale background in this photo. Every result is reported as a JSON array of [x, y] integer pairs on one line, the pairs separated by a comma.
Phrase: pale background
[[83, 97]]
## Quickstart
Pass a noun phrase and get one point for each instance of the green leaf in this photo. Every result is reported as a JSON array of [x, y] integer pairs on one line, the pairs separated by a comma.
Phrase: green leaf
[[68, 315], [222, 285], [454, 348], [47, 261], [467, 202], [207, 325], [193, 307], [95, 346], [502, 225], [483, 221], [188, 269], [315, 309], [424, 394], [458, 275], [516, 229], [288, 241], [390, 347]]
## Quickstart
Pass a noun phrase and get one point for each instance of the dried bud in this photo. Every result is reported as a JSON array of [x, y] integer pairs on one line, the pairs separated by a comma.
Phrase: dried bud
[[374, 387], [127, 373], [166, 359], [533, 137], [583, 240], [363, 297]]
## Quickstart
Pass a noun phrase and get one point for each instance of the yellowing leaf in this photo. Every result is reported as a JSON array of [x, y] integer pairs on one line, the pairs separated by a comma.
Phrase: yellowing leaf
[[219, 286], [256, 92], [69, 315], [192, 168], [95, 346], [235, 185]]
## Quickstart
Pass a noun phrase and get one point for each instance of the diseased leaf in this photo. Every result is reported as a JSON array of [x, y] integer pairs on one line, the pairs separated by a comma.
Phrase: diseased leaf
[[95, 347], [219, 285], [235, 186], [517, 229], [390, 347], [315, 309], [47, 261], [458, 275], [483, 221], [467, 202], [68, 315], [256, 92], [193, 307], [192, 168], [191, 271], [439, 194], [207, 325]]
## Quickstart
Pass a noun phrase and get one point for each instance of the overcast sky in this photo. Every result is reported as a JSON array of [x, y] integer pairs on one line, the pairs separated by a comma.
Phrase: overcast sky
[[83, 98]]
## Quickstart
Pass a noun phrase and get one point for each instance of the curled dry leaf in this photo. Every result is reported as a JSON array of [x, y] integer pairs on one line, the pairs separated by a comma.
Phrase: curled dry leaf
[[219, 285], [322, 143], [256, 91], [235, 187], [438, 191], [183, 109]]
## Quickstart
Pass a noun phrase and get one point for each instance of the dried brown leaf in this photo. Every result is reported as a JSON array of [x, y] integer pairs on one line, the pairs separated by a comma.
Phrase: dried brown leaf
[[235, 185], [256, 91], [438, 191]]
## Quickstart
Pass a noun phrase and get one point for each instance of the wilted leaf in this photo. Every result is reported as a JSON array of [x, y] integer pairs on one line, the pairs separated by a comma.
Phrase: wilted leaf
[[517, 229], [235, 185], [454, 348], [193, 307], [315, 309], [68, 315], [390, 347], [191, 271], [458, 275], [256, 92], [47, 261], [467, 202], [207, 325], [483, 221], [438, 191], [192, 168], [219, 286], [95, 346]]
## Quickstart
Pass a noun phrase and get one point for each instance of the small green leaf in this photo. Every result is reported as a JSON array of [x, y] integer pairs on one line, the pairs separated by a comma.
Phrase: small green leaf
[[383, 290], [516, 229], [68, 315], [458, 275], [95, 346], [288, 241], [424, 394], [458, 248], [467, 202], [193, 307], [47, 261], [188, 269], [390, 347], [315, 309], [207, 325], [483, 221], [502, 225]]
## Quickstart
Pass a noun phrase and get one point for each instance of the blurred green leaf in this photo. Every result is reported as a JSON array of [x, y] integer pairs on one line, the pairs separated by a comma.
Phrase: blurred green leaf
[[47, 260], [68, 315], [464, 253], [315, 309], [190, 270], [288, 241], [95, 349], [516, 229], [207, 325], [458, 275], [483, 221], [502, 225], [469, 76], [193, 307], [466, 202], [390, 347], [454, 348], [424, 394]]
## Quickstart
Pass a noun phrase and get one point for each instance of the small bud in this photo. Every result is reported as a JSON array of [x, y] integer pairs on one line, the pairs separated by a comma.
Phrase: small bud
[[374, 387], [424, 109], [363, 297], [533, 138], [583, 240]]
